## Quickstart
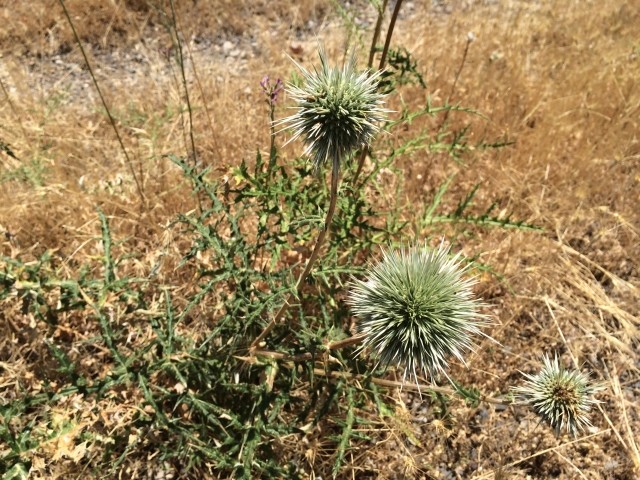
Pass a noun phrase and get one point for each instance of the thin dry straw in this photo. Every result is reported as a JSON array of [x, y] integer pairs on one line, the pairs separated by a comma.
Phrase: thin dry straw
[[186, 93], [104, 103], [13, 109]]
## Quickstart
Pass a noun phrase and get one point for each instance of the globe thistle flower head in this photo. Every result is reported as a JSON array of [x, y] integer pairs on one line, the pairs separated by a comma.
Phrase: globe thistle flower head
[[417, 309], [338, 110], [563, 398]]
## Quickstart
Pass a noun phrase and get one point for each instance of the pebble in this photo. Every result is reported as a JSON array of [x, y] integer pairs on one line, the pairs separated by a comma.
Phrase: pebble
[[227, 46]]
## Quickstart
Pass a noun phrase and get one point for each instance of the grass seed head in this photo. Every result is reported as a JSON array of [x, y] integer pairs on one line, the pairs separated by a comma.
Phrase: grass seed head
[[563, 398], [416, 309], [338, 110]]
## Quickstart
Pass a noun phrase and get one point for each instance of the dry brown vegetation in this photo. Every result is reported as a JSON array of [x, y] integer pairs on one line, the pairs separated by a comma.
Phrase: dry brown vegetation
[[560, 79]]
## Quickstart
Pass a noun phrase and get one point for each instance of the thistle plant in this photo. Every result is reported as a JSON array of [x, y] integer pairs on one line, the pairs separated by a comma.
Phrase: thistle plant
[[417, 309], [563, 398], [338, 110]]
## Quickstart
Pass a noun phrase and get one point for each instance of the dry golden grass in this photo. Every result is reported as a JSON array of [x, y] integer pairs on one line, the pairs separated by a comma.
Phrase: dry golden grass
[[559, 78]]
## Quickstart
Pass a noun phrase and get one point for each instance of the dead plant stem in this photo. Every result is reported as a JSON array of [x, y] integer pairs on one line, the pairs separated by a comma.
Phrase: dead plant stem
[[376, 33], [352, 376], [455, 80], [354, 340], [383, 63], [13, 110], [104, 104], [186, 94], [387, 42], [207, 112]]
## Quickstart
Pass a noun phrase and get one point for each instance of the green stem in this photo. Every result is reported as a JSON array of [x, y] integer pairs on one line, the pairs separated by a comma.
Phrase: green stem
[[272, 130], [335, 173]]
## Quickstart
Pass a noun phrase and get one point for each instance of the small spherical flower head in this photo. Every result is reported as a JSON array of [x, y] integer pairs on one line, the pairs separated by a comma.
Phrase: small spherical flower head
[[337, 112], [563, 398], [417, 309]]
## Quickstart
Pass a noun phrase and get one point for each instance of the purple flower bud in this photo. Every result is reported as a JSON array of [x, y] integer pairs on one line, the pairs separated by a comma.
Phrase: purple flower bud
[[271, 91], [276, 90], [264, 83]]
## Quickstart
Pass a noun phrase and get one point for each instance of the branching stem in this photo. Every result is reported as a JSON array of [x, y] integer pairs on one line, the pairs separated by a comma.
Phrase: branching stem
[[351, 376]]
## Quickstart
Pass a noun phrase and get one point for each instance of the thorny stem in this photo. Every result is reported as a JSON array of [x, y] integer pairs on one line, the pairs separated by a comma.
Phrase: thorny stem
[[104, 103], [335, 173], [411, 386], [383, 62], [273, 152], [354, 340], [350, 376], [421, 388]]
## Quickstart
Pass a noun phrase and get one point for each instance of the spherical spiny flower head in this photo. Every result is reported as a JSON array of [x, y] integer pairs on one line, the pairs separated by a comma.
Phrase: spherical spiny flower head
[[416, 309], [561, 397], [338, 110]]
